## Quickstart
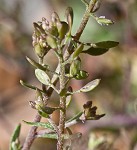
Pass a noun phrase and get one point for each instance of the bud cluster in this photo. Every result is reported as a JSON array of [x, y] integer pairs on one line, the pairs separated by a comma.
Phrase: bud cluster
[[50, 35]]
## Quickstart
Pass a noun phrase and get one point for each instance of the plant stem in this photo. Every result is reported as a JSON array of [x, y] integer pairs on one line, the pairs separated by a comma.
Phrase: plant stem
[[31, 134], [85, 19], [63, 106]]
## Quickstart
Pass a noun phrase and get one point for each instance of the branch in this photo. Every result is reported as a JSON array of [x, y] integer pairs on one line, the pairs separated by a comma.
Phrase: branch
[[31, 134], [85, 19], [116, 121]]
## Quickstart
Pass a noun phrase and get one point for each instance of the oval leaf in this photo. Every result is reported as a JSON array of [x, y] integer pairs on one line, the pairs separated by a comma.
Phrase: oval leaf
[[42, 77], [95, 51], [107, 44], [90, 86], [103, 21]]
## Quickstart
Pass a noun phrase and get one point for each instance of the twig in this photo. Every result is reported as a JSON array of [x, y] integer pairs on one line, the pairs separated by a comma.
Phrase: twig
[[116, 121], [85, 19], [31, 135]]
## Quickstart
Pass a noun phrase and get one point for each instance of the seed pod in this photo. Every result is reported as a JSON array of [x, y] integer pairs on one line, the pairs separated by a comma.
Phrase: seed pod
[[62, 29], [53, 31], [96, 6], [55, 18], [45, 23], [51, 42], [39, 50], [69, 16], [75, 67], [38, 28]]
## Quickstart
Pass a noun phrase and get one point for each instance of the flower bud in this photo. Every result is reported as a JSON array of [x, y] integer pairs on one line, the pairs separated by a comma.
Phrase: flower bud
[[62, 29], [75, 67], [69, 16], [53, 30], [51, 41], [39, 50], [55, 18], [82, 75], [96, 6], [45, 23]]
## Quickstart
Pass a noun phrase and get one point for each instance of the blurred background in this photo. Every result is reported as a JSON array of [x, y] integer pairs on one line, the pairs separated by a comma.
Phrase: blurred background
[[116, 96]]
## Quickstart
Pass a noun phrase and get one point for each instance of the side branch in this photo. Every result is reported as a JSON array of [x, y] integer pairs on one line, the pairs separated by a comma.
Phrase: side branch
[[85, 19], [31, 135]]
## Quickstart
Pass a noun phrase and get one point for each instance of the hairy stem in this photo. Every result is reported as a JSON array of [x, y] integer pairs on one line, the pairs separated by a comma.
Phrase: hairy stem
[[63, 106], [31, 134], [85, 19]]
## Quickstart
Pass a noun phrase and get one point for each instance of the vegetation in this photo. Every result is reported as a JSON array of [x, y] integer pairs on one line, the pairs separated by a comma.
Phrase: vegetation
[[56, 36]]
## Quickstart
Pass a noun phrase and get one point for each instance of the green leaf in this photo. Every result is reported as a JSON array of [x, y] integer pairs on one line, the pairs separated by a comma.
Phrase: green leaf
[[40, 124], [43, 114], [77, 51], [90, 86], [36, 65], [29, 86], [15, 146], [51, 42], [42, 76], [95, 51], [75, 117], [107, 44], [68, 100], [100, 47], [81, 75], [55, 136], [15, 135], [75, 67], [49, 136], [103, 21]]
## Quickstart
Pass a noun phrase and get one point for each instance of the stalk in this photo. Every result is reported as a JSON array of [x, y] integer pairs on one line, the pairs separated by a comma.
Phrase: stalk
[[63, 106]]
